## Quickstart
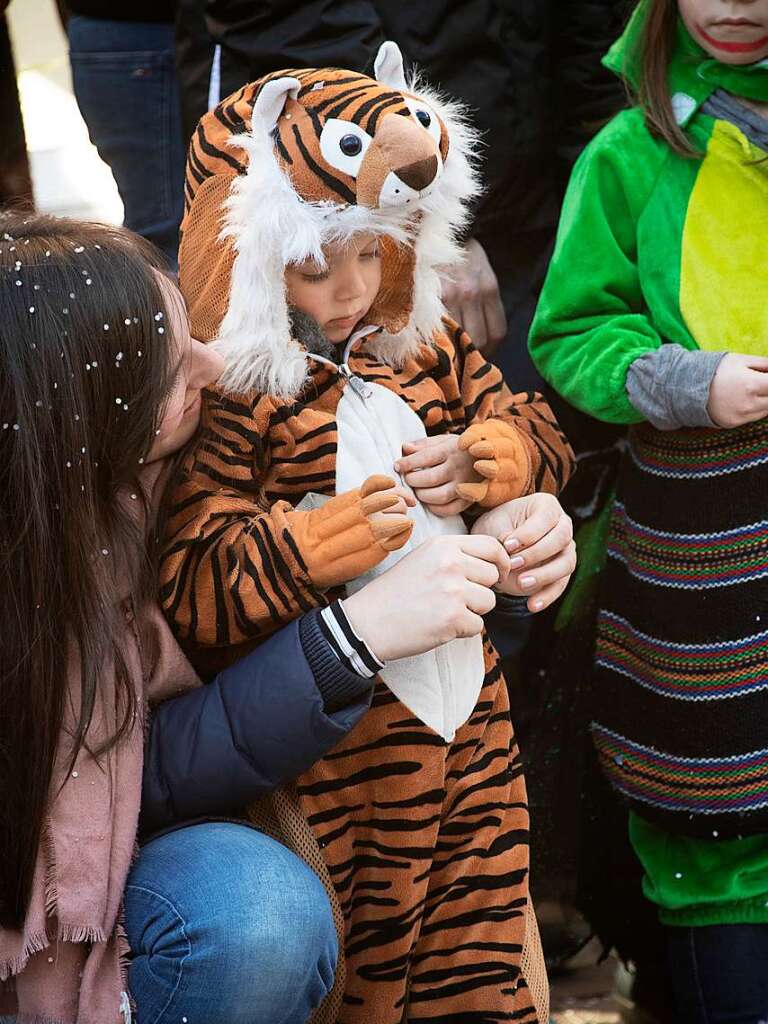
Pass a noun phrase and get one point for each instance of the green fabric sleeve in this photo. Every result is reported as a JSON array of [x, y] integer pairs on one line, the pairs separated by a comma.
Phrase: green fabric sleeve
[[591, 322]]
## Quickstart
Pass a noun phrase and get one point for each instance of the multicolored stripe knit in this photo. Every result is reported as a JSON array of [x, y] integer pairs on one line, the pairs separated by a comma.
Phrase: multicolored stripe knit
[[682, 654]]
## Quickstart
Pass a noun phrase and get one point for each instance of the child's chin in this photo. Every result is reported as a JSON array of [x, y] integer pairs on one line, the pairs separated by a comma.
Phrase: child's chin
[[337, 336]]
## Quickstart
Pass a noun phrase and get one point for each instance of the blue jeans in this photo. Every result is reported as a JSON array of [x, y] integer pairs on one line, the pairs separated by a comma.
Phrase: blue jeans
[[226, 926], [124, 76], [719, 973]]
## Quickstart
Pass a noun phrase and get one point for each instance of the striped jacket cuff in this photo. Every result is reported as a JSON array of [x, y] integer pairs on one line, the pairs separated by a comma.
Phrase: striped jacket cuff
[[338, 685], [348, 647]]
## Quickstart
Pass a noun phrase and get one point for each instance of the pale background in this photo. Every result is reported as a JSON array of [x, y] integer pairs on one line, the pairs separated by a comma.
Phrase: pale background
[[67, 175]]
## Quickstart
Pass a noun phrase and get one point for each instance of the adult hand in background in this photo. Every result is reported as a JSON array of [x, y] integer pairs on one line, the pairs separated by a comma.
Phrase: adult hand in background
[[538, 536], [435, 594], [738, 393], [471, 296]]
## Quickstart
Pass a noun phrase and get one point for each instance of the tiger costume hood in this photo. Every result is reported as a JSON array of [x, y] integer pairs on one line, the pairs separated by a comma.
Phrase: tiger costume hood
[[303, 158]]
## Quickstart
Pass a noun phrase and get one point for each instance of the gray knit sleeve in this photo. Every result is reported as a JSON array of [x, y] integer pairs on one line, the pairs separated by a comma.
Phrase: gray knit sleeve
[[670, 386]]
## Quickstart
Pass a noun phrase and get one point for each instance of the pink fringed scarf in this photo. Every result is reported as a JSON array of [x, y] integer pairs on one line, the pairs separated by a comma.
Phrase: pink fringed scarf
[[66, 965]]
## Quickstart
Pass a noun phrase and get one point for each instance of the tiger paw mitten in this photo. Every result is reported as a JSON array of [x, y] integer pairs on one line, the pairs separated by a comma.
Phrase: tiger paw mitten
[[503, 460], [351, 533]]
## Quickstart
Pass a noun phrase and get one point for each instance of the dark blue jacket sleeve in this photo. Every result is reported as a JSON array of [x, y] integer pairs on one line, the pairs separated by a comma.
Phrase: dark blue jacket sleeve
[[258, 725]]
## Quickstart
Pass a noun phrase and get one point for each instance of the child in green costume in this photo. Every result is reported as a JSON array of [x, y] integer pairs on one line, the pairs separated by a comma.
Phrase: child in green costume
[[655, 314]]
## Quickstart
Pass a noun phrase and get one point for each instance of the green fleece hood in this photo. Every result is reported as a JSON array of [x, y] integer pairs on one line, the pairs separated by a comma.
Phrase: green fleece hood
[[693, 74]]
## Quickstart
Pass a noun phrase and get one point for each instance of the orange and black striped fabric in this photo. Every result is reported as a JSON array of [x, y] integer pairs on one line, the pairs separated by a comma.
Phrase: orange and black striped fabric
[[427, 846], [426, 840], [231, 571]]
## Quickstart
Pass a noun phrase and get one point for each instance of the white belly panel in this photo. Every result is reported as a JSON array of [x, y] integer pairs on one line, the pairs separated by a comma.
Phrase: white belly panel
[[440, 687]]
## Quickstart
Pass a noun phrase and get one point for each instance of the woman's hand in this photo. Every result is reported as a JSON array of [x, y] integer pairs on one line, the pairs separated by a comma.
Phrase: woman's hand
[[435, 594], [738, 393], [432, 467], [539, 538]]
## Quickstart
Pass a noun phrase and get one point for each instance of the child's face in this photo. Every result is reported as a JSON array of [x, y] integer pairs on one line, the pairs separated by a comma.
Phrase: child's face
[[731, 31], [339, 296], [197, 366]]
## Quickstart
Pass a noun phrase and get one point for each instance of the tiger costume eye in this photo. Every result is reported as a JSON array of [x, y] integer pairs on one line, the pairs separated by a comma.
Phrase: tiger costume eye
[[424, 118], [350, 145]]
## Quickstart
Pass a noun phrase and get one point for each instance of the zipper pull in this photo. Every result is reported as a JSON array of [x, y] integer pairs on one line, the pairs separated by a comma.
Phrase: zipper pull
[[358, 385]]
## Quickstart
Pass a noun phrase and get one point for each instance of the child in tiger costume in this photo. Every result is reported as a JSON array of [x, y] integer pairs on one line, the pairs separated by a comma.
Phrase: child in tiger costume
[[297, 180]]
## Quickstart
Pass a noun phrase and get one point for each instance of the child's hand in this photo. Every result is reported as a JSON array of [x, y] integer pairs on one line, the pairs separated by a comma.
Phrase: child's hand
[[738, 393], [435, 468], [538, 536]]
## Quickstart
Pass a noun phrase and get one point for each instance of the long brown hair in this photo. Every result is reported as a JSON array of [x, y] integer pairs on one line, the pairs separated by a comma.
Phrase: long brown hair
[[657, 48], [84, 368]]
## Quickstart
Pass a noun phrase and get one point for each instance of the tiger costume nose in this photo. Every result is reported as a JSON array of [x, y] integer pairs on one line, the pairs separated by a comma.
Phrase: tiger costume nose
[[419, 174]]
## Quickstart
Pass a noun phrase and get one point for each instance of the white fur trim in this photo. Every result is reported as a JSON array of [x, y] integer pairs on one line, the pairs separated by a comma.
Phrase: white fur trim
[[271, 100], [388, 66], [272, 227]]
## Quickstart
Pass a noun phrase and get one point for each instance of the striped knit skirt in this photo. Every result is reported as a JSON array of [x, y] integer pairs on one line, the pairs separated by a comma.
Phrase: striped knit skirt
[[681, 699]]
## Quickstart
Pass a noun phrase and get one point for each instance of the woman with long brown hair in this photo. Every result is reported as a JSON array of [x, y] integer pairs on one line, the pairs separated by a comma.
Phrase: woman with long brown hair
[[100, 382]]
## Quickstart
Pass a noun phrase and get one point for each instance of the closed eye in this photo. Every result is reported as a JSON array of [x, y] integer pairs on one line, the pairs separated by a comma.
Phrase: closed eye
[[343, 145]]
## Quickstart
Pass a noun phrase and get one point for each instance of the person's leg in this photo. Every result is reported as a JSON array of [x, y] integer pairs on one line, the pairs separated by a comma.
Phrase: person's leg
[[226, 926], [124, 77], [720, 973]]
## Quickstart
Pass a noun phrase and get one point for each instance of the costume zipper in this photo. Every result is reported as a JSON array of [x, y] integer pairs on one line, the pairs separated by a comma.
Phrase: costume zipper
[[358, 385]]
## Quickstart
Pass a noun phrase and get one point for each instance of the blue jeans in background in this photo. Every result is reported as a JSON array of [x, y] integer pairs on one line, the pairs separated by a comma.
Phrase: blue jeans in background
[[124, 77], [226, 926], [719, 973]]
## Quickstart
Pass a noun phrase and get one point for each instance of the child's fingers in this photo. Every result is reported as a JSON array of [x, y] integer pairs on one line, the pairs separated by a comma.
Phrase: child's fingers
[[409, 447], [406, 494], [453, 508], [424, 458], [432, 477], [436, 495]]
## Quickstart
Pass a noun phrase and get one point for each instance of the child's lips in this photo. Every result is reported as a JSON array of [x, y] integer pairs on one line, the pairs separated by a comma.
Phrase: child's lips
[[345, 321], [734, 45]]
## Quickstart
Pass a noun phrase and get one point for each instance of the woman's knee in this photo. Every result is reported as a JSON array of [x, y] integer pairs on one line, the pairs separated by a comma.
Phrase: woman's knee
[[229, 903]]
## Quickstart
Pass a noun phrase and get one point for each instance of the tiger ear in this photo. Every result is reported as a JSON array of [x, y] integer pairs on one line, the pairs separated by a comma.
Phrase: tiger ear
[[388, 66], [271, 100]]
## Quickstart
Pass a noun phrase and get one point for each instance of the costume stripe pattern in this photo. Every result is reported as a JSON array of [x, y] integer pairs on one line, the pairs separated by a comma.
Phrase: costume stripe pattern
[[427, 846]]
